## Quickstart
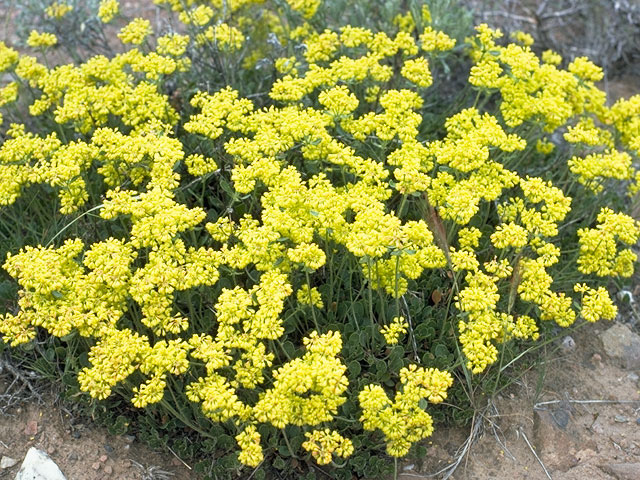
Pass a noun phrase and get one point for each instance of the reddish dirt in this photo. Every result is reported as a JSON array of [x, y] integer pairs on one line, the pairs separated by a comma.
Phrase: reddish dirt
[[83, 451]]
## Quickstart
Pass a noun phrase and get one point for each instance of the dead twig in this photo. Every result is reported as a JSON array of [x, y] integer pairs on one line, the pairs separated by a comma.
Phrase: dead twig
[[463, 450], [497, 431], [152, 473], [524, 436], [20, 389], [540, 405], [176, 455]]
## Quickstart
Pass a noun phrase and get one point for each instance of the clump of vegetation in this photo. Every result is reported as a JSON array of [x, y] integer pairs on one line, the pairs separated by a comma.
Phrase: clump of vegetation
[[291, 234]]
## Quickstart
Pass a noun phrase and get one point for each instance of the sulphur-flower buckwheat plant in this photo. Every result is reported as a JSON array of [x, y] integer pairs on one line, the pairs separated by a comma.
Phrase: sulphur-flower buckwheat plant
[[289, 231]]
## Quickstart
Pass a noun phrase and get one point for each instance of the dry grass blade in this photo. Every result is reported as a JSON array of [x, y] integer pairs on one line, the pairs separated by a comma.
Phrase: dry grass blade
[[542, 405], [477, 427], [153, 472], [524, 436], [20, 386]]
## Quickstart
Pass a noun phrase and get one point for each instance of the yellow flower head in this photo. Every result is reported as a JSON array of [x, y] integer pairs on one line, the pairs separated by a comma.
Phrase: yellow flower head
[[41, 40], [392, 332], [136, 31], [58, 10], [108, 9], [306, 8]]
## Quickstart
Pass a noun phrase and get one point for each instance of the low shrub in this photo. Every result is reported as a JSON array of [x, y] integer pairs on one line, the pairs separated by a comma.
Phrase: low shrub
[[290, 234]]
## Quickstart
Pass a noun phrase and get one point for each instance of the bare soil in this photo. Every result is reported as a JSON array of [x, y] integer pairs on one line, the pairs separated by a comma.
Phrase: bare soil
[[82, 450], [577, 417]]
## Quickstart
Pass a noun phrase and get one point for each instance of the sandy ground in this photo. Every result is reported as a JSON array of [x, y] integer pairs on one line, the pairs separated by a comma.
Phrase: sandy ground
[[576, 418]]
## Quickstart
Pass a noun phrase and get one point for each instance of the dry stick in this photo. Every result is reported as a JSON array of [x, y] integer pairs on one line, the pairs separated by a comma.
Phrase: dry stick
[[495, 429], [19, 376], [413, 337], [176, 455], [538, 406], [461, 453], [534, 453]]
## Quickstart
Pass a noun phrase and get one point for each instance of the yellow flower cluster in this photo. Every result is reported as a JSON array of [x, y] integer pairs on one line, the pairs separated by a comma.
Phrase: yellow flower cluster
[[136, 31], [41, 39], [625, 116], [310, 297], [392, 332], [403, 421], [329, 60], [466, 149], [108, 9], [530, 90], [223, 36], [306, 8], [336, 165], [250, 449], [58, 10], [599, 253], [596, 303], [324, 443], [483, 324], [593, 169]]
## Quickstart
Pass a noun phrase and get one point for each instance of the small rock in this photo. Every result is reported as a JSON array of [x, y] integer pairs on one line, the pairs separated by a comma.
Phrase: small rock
[[596, 358], [38, 466], [31, 428], [409, 467], [623, 471], [638, 420], [72, 457], [625, 296], [96, 465], [581, 472], [621, 419], [126, 464], [129, 438], [548, 434], [7, 462], [108, 469], [108, 448], [599, 425], [51, 450], [103, 458], [584, 455], [623, 344], [634, 377], [560, 417], [568, 343]]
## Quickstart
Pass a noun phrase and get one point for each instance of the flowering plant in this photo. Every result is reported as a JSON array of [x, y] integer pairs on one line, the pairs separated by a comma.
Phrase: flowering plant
[[311, 265]]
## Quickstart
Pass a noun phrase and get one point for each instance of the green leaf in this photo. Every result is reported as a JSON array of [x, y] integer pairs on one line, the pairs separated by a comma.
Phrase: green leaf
[[354, 368], [424, 331], [279, 463], [119, 426], [441, 351], [284, 451], [289, 348]]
